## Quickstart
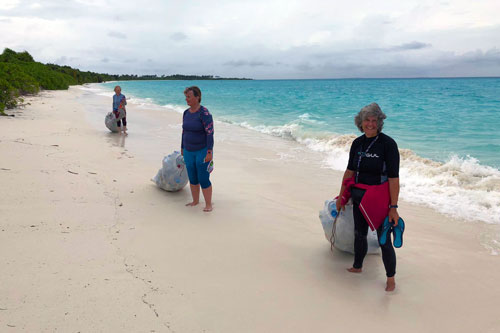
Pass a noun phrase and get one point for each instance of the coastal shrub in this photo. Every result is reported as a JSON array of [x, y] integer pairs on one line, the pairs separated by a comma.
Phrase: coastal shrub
[[47, 78], [18, 78], [9, 55], [8, 96], [14, 82], [20, 75]]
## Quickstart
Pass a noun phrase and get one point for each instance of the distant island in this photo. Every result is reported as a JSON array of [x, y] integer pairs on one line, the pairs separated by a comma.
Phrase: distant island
[[21, 75], [127, 77]]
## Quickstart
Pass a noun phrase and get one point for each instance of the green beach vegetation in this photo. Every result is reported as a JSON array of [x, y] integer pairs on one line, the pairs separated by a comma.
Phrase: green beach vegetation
[[21, 75]]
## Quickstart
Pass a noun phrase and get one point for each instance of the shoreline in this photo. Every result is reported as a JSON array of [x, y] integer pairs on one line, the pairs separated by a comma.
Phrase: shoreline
[[109, 251], [460, 187]]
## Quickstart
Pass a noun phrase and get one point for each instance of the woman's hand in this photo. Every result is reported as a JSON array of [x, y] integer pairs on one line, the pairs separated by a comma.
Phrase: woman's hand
[[347, 174], [394, 216], [208, 158], [339, 204]]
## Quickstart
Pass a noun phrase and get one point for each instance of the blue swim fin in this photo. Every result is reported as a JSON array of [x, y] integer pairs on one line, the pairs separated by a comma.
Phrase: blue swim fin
[[398, 233], [386, 228]]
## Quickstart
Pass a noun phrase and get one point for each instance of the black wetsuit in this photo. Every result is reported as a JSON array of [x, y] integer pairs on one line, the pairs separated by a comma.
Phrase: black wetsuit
[[379, 161]]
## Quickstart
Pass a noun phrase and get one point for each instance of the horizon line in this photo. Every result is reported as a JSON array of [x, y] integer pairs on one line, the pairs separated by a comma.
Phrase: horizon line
[[333, 78]]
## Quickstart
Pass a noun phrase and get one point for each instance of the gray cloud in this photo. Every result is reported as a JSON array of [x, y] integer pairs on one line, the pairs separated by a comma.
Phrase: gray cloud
[[116, 34], [477, 63], [118, 18], [50, 9], [407, 40], [65, 60], [178, 36], [349, 53], [410, 46], [486, 58], [304, 67], [249, 63]]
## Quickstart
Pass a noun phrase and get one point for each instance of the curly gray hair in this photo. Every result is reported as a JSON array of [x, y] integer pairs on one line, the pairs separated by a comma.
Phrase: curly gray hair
[[371, 110]]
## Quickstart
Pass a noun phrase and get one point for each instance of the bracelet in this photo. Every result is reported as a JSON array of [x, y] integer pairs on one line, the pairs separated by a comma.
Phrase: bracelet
[[393, 206]]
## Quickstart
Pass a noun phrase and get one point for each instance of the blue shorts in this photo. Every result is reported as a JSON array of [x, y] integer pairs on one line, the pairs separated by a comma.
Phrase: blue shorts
[[197, 168]]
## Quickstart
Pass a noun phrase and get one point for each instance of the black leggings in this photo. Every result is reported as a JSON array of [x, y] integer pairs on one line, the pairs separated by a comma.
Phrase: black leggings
[[119, 122], [360, 234]]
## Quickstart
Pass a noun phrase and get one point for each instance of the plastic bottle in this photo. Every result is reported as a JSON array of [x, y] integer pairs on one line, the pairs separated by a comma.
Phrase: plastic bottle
[[332, 208]]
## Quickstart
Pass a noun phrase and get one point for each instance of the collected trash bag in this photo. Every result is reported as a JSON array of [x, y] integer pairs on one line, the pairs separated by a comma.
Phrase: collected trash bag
[[173, 174], [110, 122], [341, 233]]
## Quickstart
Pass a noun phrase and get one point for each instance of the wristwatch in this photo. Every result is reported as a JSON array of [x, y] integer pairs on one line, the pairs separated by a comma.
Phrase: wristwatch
[[393, 206]]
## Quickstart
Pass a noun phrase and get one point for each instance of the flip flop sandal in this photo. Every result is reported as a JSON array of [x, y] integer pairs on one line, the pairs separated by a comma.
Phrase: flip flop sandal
[[398, 233], [386, 228]]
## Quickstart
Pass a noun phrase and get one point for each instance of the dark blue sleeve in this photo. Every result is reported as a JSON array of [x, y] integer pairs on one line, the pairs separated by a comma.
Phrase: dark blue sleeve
[[208, 125]]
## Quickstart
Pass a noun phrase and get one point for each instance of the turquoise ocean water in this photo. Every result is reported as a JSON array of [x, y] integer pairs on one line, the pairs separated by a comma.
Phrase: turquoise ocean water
[[446, 128], [433, 117]]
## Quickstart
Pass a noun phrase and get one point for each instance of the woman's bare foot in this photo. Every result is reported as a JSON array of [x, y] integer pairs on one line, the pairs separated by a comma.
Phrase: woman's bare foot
[[191, 204], [208, 208], [391, 284], [354, 270]]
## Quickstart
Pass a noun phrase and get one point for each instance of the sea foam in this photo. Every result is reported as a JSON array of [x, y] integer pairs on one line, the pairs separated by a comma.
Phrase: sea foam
[[460, 187]]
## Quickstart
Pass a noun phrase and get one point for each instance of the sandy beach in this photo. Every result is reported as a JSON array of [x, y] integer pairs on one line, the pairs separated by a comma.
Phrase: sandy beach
[[89, 244]]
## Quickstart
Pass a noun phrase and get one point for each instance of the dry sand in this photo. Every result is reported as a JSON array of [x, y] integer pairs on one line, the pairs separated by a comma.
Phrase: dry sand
[[89, 244]]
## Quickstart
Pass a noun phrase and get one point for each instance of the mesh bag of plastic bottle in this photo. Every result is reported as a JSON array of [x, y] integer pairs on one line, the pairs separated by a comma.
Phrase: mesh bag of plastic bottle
[[341, 233], [110, 122], [173, 174]]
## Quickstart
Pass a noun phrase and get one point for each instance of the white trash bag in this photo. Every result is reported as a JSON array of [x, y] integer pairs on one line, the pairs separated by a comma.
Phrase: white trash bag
[[110, 122], [173, 175], [344, 229]]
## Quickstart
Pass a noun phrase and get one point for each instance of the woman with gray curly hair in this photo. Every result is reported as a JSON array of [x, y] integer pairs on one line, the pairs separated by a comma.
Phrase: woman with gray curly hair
[[372, 173]]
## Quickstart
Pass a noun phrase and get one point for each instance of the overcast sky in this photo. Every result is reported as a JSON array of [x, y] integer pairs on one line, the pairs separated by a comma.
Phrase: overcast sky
[[260, 38]]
